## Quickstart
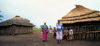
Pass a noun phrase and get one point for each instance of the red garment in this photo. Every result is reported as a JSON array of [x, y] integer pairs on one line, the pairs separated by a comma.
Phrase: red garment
[[44, 36], [66, 34]]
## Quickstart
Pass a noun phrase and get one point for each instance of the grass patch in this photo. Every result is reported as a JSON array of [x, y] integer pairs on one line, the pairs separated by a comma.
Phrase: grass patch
[[37, 30]]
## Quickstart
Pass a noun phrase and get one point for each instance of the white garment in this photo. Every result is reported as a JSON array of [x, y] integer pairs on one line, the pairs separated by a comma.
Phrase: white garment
[[71, 31], [59, 35], [66, 31], [59, 26]]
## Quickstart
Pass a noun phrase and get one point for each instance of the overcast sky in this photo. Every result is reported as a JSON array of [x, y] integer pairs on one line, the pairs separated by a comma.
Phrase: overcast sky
[[40, 11]]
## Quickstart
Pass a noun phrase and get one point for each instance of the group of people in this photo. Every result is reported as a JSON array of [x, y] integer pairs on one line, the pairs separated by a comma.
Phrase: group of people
[[68, 33], [59, 32]]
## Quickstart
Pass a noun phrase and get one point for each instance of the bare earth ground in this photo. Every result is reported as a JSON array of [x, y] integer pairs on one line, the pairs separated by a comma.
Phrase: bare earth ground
[[35, 39]]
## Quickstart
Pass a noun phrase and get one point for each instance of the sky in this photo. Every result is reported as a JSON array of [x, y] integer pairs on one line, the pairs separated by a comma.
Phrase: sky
[[40, 11]]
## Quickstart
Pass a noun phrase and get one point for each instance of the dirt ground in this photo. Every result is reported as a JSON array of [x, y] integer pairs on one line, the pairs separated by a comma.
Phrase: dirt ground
[[35, 39]]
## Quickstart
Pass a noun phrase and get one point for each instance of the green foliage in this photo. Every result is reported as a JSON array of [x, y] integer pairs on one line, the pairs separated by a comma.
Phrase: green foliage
[[1, 16]]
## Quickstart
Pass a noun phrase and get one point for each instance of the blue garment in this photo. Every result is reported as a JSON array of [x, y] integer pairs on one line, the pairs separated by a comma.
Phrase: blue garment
[[45, 27], [62, 28], [59, 27], [58, 30]]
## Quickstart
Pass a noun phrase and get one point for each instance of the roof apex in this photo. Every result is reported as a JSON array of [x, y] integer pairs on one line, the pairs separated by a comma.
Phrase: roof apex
[[17, 16], [79, 10], [77, 6]]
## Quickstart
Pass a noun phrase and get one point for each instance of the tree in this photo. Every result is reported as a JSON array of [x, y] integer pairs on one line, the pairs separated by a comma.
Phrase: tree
[[1, 16]]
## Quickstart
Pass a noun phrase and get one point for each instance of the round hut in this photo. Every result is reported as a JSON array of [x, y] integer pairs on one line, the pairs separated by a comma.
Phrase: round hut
[[15, 25], [85, 23]]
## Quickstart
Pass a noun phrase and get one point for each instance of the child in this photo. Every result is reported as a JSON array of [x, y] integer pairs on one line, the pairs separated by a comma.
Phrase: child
[[50, 29], [54, 34], [71, 34], [65, 34]]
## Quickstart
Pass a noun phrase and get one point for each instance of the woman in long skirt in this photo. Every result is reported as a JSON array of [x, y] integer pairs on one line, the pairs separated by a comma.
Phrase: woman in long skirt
[[59, 32], [44, 36], [44, 32]]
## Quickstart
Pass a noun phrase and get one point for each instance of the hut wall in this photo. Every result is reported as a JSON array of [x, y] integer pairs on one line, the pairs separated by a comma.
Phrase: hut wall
[[22, 29], [85, 30], [4, 30], [15, 29]]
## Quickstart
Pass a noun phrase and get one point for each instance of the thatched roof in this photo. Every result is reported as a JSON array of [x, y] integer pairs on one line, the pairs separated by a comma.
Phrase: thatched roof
[[17, 20], [81, 14]]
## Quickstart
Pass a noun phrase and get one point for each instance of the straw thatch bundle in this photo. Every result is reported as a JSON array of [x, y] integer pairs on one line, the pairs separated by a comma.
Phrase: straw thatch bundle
[[81, 14], [16, 21], [15, 25]]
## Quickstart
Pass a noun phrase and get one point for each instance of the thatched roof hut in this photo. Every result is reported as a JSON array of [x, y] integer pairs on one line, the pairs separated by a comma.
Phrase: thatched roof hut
[[81, 14], [85, 23], [15, 25]]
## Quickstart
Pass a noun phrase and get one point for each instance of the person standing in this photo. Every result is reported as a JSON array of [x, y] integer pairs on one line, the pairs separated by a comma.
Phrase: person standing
[[65, 36], [54, 32], [50, 29], [44, 32], [70, 34], [59, 32]]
